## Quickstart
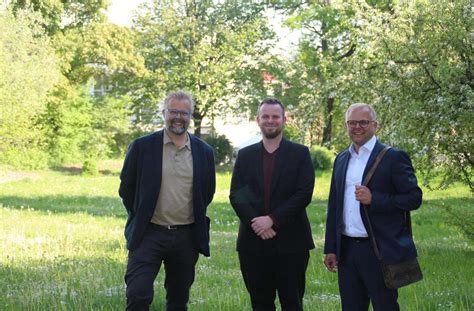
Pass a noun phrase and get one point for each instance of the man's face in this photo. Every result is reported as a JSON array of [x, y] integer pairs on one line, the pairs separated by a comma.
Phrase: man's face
[[358, 134], [177, 116], [271, 120]]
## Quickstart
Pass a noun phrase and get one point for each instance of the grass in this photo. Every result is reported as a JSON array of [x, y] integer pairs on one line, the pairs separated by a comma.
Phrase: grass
[[62, 248]]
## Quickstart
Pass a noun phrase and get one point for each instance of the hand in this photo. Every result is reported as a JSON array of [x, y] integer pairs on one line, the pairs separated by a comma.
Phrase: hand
[[330, 262], [363, 194], [268, 234], [260, 224]]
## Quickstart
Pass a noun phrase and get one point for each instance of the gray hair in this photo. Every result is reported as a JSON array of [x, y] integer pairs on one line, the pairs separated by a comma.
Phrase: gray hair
[[179, 95], [373, 114]]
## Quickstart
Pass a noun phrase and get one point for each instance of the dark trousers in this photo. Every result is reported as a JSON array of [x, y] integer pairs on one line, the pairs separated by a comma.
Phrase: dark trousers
[[178, 251], [361, 279], [265, 275]]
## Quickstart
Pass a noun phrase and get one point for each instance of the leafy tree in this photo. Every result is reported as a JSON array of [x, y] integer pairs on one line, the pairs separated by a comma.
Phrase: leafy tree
[[28, 71], [213, 50], [59, 15], [421, 73], [317, 75]]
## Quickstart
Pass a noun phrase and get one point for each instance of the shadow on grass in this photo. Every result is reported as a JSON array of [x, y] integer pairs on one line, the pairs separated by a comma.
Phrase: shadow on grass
[[77, 170], [60, 204]]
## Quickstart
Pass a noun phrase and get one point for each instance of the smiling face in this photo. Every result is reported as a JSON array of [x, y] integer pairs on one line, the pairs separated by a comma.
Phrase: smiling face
[[271, 120], [176, 123], [360, 135]]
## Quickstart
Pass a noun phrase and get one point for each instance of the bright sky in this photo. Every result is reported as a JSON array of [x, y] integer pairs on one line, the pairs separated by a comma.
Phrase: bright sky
[[120, 11]]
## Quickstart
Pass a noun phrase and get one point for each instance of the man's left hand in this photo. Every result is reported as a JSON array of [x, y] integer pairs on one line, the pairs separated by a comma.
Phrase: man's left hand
[[260, 224], [363, 194]]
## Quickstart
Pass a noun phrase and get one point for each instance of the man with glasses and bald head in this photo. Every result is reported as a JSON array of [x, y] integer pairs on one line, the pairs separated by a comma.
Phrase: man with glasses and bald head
[[167, 182], [391, 192]]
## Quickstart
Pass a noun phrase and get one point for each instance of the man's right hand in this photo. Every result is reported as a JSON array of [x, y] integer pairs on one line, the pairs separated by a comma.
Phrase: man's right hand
[[330, 262]]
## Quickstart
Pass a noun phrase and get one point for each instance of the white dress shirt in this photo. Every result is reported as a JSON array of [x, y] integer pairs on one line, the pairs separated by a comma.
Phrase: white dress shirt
[[353, 225]]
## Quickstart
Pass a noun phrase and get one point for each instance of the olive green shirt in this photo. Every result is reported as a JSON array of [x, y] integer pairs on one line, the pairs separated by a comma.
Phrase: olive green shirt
[[175, 202]]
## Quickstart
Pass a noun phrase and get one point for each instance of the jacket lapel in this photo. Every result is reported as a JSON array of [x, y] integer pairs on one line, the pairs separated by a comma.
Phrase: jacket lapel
[[279, 163], [197, 162], [344, 162], [259, 165], [157, 158], [373, 155]]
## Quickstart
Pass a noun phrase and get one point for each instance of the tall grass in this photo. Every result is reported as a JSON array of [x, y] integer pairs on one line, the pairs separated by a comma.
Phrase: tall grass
[[62, 248]]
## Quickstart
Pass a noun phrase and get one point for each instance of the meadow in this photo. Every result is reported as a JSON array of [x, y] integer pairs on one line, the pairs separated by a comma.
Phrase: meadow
[[62, 248]]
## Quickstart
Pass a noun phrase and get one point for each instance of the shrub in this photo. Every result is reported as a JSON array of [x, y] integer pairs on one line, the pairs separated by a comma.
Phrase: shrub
[[89, 168], [222, 148], [322, 158]]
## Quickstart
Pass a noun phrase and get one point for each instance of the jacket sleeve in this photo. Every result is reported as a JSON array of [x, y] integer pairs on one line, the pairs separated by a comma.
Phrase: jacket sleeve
[[407, 196], [241, 196], [289, 210], [128, 177]]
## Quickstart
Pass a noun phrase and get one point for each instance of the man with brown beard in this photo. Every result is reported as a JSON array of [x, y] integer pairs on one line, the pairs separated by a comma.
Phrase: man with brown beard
[[272, 184]]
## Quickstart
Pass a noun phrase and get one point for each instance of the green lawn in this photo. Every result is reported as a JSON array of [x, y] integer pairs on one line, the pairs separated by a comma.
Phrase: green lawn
[[62, 248]]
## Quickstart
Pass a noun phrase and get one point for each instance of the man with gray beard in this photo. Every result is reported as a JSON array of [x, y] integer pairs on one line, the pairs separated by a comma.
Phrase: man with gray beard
[[167, 182]]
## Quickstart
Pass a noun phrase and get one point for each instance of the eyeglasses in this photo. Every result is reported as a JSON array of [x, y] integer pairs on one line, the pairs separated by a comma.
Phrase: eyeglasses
[[176, 112], [362, 123]]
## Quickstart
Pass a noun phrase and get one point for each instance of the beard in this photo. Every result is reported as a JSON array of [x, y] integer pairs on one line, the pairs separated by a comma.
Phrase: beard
[[271, 134], [178, 130]]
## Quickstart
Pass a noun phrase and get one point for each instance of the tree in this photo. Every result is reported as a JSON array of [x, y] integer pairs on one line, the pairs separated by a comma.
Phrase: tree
[[97, 61], [213, 50], [421, 71], [320, 69], [28, 71], [59, 15]]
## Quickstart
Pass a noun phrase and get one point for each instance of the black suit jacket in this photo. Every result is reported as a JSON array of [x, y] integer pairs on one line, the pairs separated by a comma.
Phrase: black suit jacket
[[141, 182], [394, 192], [291, 191]]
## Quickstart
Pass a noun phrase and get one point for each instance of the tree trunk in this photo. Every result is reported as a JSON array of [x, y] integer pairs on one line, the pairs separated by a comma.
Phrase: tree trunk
[[327, 131], [197, 117]]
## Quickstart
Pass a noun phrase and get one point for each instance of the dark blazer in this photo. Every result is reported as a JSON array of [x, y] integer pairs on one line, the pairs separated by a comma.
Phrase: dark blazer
[[394, 191], [291, 191], [141, 182]]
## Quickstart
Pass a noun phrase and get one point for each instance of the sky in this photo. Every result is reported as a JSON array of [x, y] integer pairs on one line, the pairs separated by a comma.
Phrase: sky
[[120, 11]]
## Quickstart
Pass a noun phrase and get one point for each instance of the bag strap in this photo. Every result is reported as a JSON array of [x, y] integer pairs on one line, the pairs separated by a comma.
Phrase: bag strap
[[366, 181]]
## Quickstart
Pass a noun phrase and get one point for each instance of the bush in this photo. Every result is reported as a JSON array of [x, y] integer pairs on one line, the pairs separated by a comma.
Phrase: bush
[[89, 168], [294, 133], [222, 148], [322, 158], [24, 158]]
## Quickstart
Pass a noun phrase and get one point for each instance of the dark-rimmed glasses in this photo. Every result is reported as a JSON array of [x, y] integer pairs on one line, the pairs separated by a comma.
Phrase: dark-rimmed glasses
[[362, 123], [176, 112]]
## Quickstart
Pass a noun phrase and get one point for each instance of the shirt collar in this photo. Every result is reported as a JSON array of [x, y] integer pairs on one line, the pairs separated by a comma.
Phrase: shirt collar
[[369, 146], [167, 139]]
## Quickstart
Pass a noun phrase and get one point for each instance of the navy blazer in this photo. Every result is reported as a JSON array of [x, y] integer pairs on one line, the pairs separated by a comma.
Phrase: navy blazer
[[291, 192], [394, 192], [141, 182]]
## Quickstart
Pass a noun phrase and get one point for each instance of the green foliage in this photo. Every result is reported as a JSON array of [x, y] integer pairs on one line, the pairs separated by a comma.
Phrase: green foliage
[[322, 158], [59, 14], [423, 78], [28, 71], [215, 50], [222, 148], [292, 132], [89, 168]]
